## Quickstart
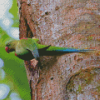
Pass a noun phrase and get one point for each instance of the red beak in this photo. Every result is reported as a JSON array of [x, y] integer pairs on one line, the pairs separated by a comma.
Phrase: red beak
[[7, 49]]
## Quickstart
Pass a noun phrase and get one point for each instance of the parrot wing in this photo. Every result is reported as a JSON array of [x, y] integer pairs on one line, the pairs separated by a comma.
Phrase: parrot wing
[[29, 45], [34, 53], [33, 49]]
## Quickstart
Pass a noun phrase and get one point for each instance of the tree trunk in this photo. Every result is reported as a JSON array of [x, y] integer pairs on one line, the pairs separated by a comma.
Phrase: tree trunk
[[64, 23]]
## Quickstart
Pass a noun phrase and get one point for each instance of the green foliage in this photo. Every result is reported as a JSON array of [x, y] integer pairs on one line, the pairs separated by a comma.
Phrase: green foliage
[[14, 12], [14, 69]]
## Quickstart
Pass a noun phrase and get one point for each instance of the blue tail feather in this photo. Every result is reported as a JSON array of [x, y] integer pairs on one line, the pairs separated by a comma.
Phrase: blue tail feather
[[73, 50]]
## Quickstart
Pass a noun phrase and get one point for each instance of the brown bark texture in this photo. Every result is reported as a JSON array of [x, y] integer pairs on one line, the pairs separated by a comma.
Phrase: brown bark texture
[[64, 23]]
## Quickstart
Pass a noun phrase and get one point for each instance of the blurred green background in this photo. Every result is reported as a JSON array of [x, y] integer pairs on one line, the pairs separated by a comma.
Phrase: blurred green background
[[15, 75]]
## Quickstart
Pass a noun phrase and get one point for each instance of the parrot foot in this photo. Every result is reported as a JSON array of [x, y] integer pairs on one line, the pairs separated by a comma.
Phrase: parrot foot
[[33, 63], [34, 38]]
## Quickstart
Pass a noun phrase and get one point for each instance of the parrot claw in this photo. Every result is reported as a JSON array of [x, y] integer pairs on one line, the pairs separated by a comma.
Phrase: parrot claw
[[33, 63]]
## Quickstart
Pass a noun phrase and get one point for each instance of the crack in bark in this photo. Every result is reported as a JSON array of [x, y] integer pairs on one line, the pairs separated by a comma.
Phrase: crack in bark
[[27, 26]]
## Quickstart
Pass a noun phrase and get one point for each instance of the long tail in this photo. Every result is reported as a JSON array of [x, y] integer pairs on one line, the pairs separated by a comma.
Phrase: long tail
[[51, 50], [71, 50]]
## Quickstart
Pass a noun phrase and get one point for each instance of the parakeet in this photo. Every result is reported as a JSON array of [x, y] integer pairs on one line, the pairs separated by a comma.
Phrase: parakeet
[[28, 48]]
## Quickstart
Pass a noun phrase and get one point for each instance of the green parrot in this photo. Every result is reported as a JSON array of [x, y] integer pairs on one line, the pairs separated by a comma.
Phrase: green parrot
[[28, 49]]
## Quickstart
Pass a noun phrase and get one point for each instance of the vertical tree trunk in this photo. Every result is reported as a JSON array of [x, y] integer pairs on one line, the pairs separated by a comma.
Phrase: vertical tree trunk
[[64, 23]]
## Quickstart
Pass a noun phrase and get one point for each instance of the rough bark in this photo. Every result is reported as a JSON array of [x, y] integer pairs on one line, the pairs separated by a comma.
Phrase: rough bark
[[64, 23]]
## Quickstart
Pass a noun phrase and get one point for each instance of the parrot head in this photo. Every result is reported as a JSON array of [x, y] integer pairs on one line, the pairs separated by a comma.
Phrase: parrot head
[[10, 46]]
